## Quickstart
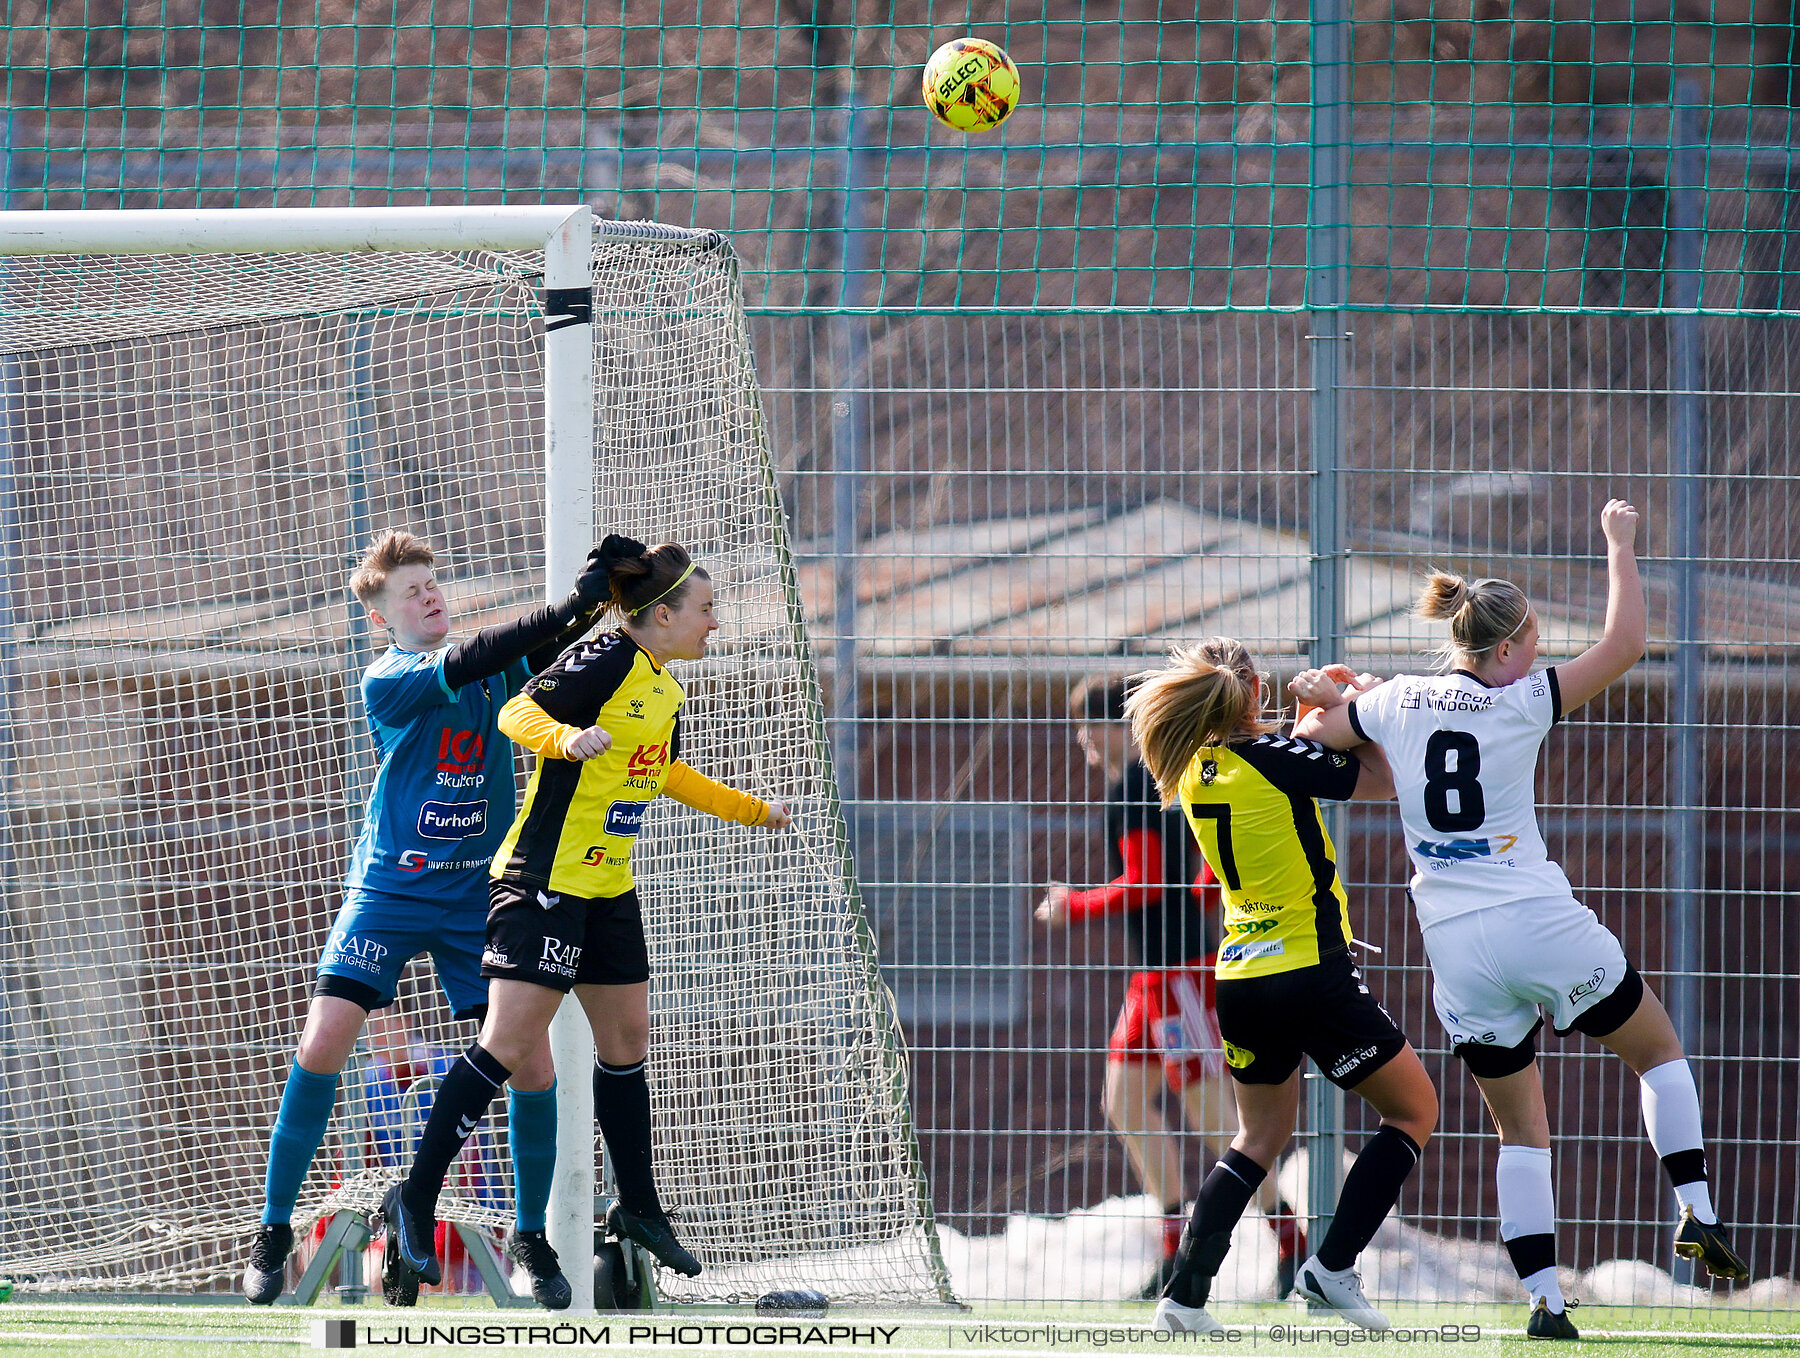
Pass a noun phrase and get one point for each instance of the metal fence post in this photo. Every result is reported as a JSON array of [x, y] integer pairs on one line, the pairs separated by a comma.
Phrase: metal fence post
[[1327, 238], [1687, 459]]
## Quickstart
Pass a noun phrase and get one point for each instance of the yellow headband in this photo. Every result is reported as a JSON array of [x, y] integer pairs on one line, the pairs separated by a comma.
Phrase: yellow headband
[[679, 580]]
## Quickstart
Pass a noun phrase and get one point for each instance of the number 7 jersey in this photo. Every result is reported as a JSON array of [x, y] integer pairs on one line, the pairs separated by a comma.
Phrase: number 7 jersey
[[1464, 756]]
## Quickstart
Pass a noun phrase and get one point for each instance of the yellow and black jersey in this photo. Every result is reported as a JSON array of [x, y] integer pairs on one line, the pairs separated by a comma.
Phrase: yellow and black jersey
[[1252, 805], [580, 819]]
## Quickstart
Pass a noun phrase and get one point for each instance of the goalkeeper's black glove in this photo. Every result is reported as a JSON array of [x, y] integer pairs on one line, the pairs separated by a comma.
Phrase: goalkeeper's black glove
[[591, 587]]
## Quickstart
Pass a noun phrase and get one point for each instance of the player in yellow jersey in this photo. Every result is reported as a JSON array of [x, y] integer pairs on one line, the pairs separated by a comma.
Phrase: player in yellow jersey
[[563, 913], [1286, 986]]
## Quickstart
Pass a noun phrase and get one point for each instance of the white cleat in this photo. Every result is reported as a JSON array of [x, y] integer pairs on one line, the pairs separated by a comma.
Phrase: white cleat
[[1340, 1292], [1173, 1318]]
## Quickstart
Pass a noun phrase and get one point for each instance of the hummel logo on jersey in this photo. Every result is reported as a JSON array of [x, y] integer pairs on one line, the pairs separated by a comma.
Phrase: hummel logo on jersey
[[548, 901], [577, 661], [637, 707], [465, 1126]]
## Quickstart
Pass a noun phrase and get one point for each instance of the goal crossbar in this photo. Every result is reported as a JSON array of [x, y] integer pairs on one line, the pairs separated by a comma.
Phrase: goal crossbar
[[234, 231]]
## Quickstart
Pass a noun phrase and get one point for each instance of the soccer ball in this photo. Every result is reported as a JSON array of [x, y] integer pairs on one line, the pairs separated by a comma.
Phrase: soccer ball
[[971, 85]]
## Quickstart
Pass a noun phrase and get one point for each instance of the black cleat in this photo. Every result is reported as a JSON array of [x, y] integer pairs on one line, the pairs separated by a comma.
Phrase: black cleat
[[531, 1251], [654, 1234], [1706, 1245], [1548, 1324], [266, 1273], [410, 1256], [399, 1287]]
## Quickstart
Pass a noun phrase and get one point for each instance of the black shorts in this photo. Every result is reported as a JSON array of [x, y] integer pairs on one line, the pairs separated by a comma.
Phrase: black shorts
[[1270, 1023], [561, 941]]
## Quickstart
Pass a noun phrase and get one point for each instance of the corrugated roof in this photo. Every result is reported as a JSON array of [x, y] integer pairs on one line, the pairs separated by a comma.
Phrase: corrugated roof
[[1057, 592], [1125, 585]]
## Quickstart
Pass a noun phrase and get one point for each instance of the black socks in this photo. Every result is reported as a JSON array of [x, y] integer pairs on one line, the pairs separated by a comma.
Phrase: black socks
[[462, 1101], [622, 1108], [1223, 1196], [1371, 1189]]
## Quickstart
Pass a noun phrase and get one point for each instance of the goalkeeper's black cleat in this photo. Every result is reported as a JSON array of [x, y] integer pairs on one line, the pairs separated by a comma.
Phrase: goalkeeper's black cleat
[[1695, 1240], [399, 1286], [655, 1235], [1548, 1324], [266, 1272], [410, 1256], [531, 1251]]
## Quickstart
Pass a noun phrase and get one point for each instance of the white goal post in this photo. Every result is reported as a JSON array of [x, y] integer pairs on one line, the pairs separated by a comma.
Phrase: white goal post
[[206, 414]]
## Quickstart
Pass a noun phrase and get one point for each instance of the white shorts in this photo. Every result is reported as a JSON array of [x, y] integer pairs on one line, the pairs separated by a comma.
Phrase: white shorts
[[1492, 969]]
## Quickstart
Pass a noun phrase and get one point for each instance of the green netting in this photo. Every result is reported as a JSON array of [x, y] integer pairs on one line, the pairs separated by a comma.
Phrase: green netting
[[1525, 159]]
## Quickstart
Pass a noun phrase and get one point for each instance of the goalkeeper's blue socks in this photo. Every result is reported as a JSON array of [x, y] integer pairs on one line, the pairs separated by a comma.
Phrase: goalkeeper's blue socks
[[462, 1101], [622, 1108], [531, 1131], [306, 1105]]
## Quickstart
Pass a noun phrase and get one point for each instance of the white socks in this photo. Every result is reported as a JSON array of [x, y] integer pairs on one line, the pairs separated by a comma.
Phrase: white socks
[[1528, 1220], [1672, 1117]]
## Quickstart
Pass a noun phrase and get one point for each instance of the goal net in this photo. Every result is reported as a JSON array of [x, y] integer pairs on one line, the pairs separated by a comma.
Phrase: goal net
[[195, 450]]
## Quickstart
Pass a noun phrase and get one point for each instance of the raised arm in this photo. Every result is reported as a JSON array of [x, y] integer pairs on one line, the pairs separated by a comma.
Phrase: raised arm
[[1325, 717], [537, 638], [1621, 645]]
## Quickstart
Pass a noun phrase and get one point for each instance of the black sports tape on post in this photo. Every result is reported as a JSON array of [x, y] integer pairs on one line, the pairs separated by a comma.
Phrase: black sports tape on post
[[567, 306]]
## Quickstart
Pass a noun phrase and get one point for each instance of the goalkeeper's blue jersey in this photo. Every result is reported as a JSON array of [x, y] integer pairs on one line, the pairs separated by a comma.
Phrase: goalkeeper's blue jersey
[[444, 796]]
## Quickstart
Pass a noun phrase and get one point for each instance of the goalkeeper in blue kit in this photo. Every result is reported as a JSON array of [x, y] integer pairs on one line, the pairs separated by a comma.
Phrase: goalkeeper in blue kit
[[418, 881]]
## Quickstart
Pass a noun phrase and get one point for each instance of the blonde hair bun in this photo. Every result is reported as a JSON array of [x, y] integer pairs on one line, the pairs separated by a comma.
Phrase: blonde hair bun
[[1443, 596]]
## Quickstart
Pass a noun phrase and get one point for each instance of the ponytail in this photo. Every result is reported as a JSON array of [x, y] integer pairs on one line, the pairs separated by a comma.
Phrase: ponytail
[[1207, 695], [640, 576], [1482, 614]]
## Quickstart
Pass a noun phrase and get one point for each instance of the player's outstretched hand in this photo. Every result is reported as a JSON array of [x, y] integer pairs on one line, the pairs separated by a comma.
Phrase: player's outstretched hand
[[1319, 688], [1054, 908], [777, 817], [591, 585], [589, 743], [1619, 521]]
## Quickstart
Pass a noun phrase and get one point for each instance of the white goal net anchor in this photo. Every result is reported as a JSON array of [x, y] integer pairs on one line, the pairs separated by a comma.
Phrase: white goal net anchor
[[206, 416]]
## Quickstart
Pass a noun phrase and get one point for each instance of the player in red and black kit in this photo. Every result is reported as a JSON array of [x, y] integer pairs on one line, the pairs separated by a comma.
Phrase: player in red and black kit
[[1167, 1030]]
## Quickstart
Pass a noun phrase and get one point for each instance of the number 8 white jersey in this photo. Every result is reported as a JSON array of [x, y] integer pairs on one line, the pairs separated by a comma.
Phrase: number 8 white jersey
[[1464, 757]]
